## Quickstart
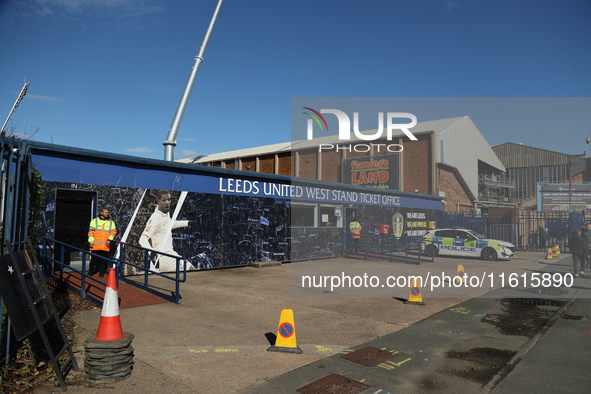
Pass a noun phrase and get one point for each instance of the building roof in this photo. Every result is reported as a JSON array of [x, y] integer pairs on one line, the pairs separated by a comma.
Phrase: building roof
[[460, 179], [440, 125], [518, 155], [458, 143]]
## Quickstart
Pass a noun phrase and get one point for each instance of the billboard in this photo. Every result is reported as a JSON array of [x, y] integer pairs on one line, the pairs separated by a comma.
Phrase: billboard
[[556, 197], [381, 172]]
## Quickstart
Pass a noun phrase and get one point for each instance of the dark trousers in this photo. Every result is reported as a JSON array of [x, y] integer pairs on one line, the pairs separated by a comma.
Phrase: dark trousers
[[356, 245], [97, 264], [578, 263]]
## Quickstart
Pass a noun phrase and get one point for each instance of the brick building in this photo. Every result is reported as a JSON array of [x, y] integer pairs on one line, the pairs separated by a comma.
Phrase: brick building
[[450, 158]]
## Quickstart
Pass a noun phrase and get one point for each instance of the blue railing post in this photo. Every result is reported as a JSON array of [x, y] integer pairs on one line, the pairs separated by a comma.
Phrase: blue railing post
[[61, 261], [120, 266], [43, 260], [83, 277], [116, 269], [146, 269], [391, 250], [177, 288]]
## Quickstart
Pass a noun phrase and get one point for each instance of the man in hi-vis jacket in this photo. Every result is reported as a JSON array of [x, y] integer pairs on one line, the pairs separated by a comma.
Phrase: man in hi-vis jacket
[[101, 233], [355, 231]]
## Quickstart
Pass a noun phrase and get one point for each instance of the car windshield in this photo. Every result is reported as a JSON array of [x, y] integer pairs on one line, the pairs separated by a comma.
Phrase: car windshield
[[474, 233]]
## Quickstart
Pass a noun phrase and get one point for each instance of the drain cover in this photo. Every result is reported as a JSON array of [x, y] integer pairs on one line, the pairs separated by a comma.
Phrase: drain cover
[[368, 356], [570, 317], [334, 384], [546, 291], [537, 302]]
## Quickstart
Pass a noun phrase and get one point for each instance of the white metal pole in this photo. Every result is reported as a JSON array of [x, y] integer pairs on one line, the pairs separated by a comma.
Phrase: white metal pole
[[170, 142]]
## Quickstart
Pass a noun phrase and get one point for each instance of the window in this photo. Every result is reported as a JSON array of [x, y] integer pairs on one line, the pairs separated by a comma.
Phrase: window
[[303, 215], [468, 235], [331, 216], [461, 234], [445, 233]]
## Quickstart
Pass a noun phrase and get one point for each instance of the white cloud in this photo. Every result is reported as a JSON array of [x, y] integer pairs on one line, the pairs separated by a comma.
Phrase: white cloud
[[44, 98], [452, 4], [124, 11], [186, 153], [139, 150], [187, 139]]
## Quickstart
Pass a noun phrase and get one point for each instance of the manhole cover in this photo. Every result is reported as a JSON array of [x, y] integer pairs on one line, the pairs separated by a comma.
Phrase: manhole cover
[[570, 317], [368, 356], [537, 302], [548, 292], [334, 384]]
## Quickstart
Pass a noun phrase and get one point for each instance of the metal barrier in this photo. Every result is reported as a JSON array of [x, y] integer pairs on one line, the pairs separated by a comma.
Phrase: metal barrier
[[48, 266], [148, 272], [15, 181], [528, 230], [118, 263], [388, 248]]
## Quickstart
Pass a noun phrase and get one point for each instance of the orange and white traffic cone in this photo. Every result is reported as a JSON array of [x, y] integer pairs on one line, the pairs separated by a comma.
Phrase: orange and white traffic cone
[[110, 325]]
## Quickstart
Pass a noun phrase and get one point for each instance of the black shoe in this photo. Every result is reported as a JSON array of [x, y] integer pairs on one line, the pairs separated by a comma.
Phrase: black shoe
[[101, 275]]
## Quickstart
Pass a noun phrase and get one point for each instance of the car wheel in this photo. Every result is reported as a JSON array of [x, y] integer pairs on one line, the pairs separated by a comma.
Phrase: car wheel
[[489, 254], [431, 250]]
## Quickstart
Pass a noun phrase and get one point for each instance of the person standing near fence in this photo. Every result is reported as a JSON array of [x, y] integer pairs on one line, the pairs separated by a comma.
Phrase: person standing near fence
[[579, 250], [100, 234], [587, 236], [542, 237], [355, 231]]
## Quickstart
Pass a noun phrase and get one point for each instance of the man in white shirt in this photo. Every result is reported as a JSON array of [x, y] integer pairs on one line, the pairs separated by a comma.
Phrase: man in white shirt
[[157, 235]]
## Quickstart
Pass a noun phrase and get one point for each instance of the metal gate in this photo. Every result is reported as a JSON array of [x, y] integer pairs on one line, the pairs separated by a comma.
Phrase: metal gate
[[14, 213], [527, 230]]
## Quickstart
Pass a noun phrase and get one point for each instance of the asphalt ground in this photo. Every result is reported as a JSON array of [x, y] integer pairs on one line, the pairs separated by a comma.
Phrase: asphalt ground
[[216, 340]]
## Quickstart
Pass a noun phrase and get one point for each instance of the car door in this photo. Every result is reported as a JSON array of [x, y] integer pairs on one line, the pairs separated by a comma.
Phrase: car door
[[445, 241], [465, 243]]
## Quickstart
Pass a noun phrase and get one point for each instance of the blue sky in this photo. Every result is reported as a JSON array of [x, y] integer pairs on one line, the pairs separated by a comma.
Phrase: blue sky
[[108, 74]]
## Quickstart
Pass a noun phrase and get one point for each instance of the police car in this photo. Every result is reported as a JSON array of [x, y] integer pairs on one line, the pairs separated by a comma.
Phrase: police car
[[463, 242]]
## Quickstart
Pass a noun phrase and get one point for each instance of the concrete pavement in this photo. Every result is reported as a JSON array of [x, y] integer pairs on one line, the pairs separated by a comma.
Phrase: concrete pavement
[[215, 341]]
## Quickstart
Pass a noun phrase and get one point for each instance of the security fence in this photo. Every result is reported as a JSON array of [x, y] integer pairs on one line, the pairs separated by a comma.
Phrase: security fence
[[527, 230]]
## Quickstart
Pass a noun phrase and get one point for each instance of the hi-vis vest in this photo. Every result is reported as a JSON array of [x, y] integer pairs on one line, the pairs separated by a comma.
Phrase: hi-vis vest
[[100, 232], [355, 230]]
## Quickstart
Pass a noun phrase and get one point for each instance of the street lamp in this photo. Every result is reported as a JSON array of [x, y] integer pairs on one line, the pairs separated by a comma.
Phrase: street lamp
[[570, 173], [16, 103]]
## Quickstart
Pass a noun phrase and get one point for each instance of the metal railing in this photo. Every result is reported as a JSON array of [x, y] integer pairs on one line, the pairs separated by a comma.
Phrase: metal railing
[[118, 265], [49, 260], [147, 272], [387, 247], [527, 230]]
